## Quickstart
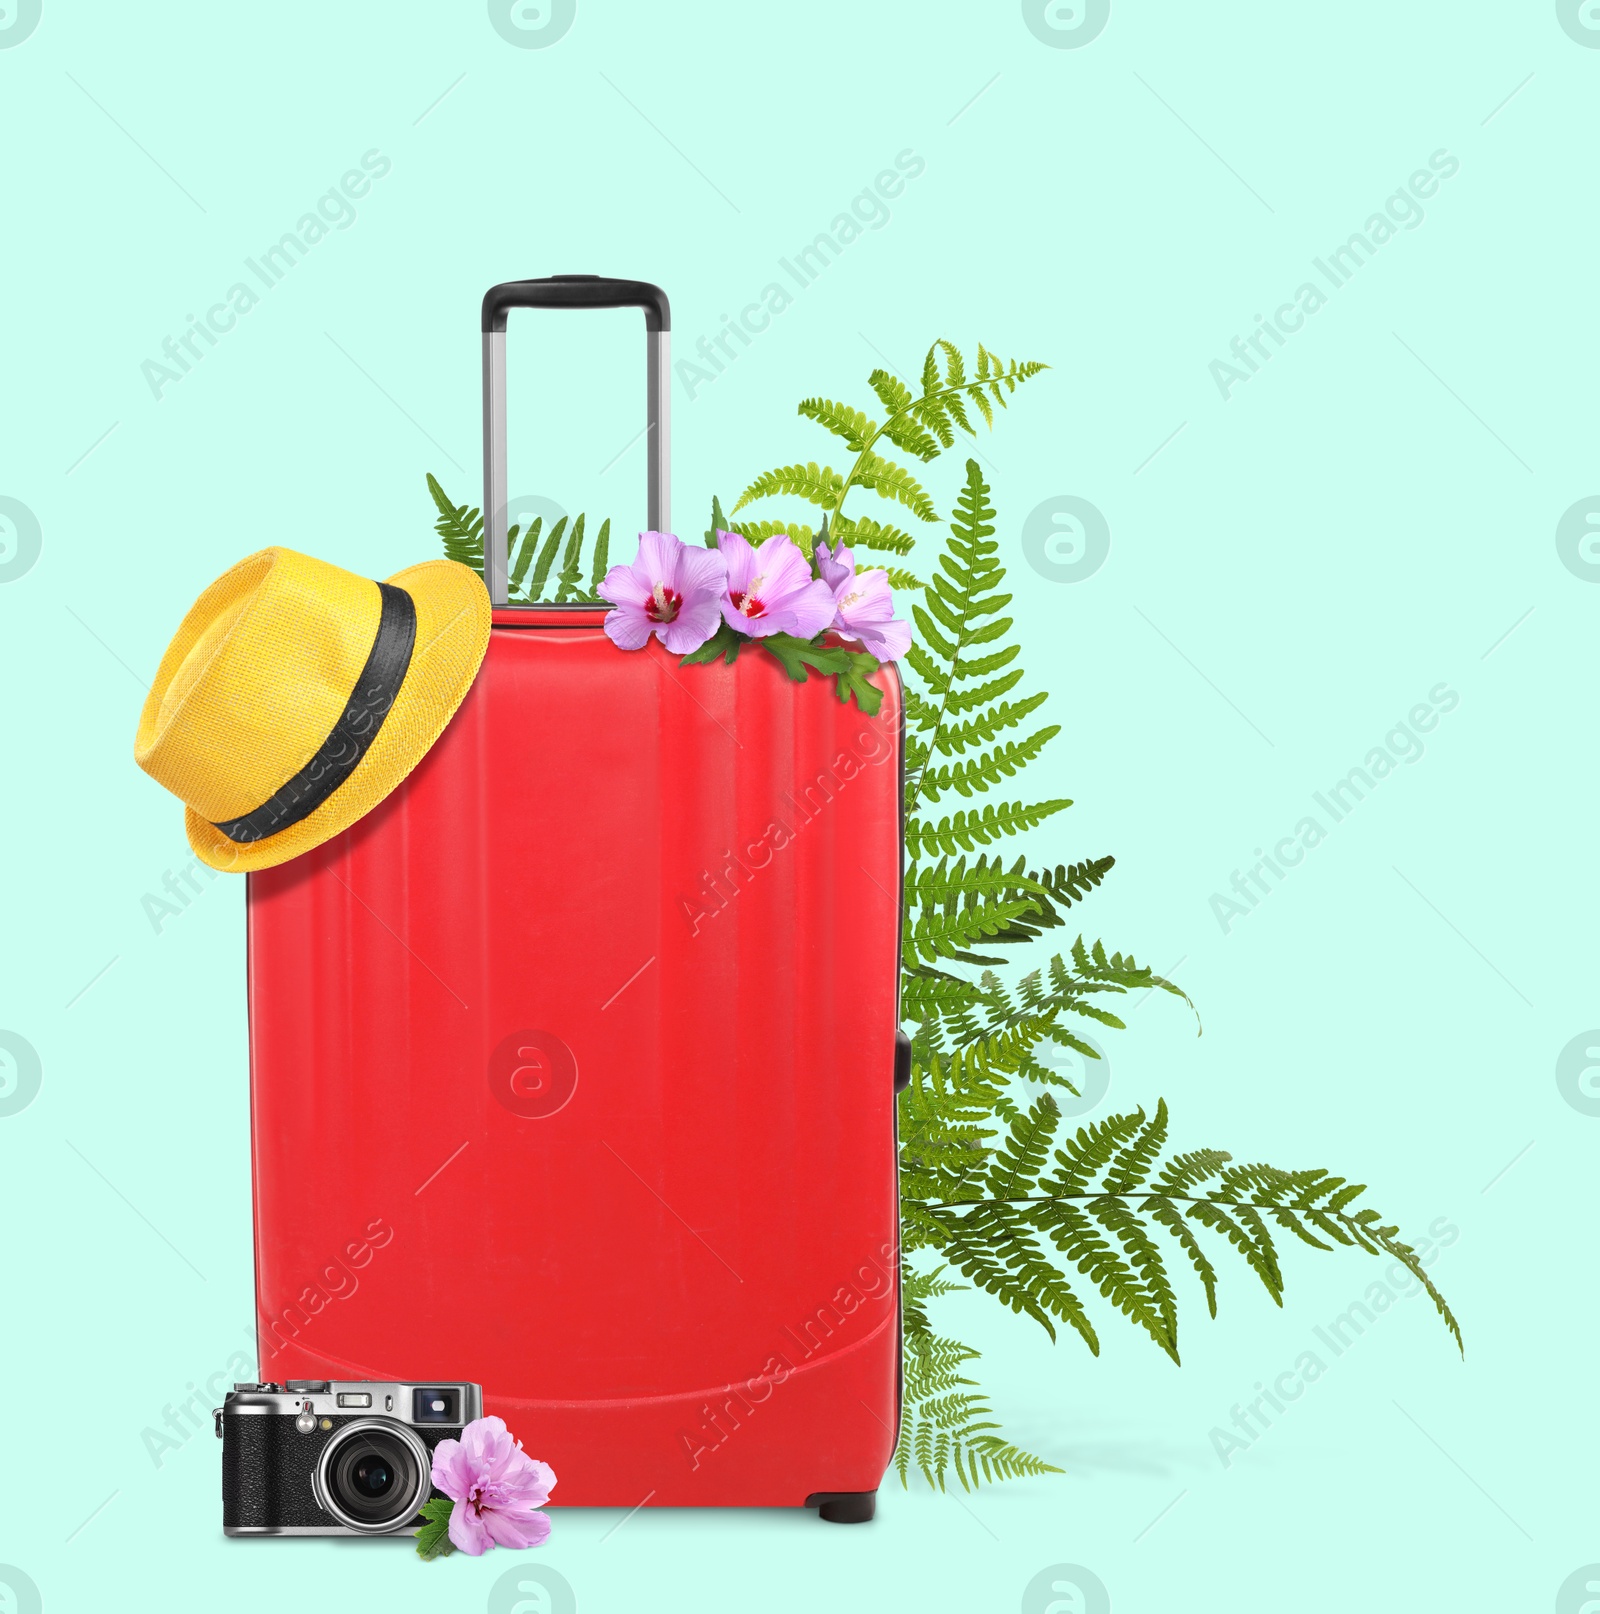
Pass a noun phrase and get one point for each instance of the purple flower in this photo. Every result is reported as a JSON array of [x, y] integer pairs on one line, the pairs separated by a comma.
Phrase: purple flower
[[496, 1488], [863, 605], [670, 590], [771, 589]]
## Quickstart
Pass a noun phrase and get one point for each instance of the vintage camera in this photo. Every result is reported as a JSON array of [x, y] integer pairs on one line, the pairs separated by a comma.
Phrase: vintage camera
[[318, 1457]]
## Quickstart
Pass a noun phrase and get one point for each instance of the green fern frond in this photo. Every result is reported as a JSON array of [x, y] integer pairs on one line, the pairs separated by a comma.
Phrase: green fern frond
[[926, 993], [757, 532], [992, 1245], [1218, 1219], [969, 829], [818, 484], [966, 700], [547, 556], [531, 552], [893, 393], [524, 551], [934, 935], [1100, 1206], [1121, 971], [942, 407], [906, 432], [856, 430], [602, 552], [1082, 1240], [1003, 715], [1184, 1172], [1132, 1162], [1059, 889], [1084, 1156], [946, 1427], [990, 1181], [1168, 1216], [862, 532], [460, 528], [958, 621], [891, 481], [946, 884], [1020, 1159], [972, 776], [571, 564], [930, 1285]]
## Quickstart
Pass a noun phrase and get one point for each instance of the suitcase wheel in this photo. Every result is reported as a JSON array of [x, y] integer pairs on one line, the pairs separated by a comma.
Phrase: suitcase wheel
[[844, 1507]]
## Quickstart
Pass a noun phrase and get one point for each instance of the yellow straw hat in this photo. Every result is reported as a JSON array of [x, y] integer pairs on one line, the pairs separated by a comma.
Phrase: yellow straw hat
[[295, 696]]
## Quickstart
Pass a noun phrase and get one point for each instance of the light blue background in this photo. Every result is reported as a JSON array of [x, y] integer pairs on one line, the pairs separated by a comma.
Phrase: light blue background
[[1373, 513]]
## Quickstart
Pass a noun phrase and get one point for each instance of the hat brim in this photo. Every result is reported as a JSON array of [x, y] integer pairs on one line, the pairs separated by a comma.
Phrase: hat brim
[[453, 619]]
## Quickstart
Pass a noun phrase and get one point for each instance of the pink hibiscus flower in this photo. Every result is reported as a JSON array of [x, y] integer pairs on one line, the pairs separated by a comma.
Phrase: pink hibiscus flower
[[669, 590], [771, 589], [863, 605], [835, 564], [496, 1488]]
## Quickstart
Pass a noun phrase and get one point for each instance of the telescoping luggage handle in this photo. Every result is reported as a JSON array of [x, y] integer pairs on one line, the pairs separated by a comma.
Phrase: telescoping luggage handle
[[568, 291]]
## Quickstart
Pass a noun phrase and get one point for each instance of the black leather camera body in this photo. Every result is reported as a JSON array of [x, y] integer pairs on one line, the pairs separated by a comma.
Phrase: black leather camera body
[[324, 1458]]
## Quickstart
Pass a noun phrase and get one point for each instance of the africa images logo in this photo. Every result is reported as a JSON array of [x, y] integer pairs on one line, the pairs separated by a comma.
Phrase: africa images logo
[[1066, 24], [1402, 209], [532, 24], [1580, 21], [18, 19], [20, 537], [334, 210], [1578, 536]]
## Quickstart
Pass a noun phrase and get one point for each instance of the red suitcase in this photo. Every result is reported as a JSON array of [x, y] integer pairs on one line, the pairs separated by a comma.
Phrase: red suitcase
[[573, 1064]]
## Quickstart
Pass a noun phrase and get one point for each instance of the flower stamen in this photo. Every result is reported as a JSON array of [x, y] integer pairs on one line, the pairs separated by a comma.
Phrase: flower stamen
[[663, 604]]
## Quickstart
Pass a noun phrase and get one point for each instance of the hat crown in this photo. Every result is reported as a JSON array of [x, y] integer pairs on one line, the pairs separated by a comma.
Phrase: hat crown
[[256, 677]]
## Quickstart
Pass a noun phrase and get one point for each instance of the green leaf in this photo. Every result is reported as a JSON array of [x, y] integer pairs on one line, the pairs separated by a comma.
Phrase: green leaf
[[719, 523], [856, 681], [547, 555], [525, 552], [571, 564], [433, 1539], [853, 668], [724, 642], [602, 554]]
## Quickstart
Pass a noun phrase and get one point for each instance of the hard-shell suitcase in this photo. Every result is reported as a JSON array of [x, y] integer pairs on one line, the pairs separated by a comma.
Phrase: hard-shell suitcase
[[573, 1065]]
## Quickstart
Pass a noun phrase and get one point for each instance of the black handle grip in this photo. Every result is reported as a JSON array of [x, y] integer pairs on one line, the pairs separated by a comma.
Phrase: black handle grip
[[576, 291]]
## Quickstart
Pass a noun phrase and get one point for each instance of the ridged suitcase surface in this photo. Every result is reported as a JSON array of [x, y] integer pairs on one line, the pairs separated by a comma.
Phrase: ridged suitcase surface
[[572, 1073]]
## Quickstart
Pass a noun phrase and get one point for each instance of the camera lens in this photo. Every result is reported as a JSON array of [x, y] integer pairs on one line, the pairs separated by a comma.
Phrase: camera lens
[[374, 1475], [371, 1476]]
